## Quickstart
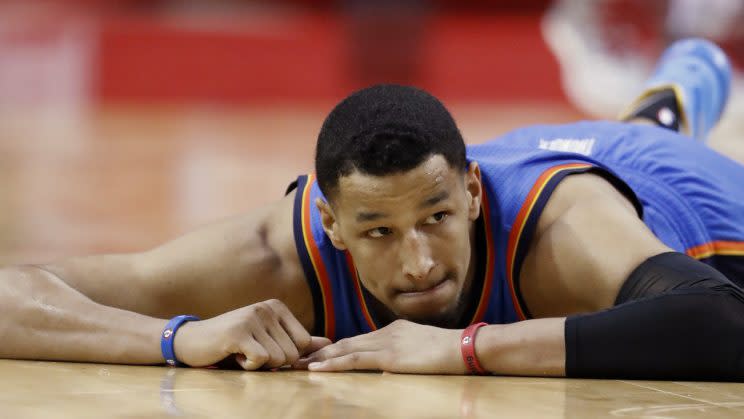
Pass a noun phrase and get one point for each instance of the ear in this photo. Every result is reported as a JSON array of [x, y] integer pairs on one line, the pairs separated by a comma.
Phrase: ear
[[474, 190], [330, 225]]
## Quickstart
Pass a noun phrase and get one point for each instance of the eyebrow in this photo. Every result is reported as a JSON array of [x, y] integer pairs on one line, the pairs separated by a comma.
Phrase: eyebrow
[[369, 216], [429, 202]]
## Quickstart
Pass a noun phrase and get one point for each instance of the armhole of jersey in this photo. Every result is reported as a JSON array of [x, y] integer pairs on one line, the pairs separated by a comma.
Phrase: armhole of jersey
[[292, 186], [303, 237], [529, 213]]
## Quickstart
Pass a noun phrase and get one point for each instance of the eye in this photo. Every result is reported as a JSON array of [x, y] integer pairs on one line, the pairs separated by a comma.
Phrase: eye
[[435, 218], [378, 232]]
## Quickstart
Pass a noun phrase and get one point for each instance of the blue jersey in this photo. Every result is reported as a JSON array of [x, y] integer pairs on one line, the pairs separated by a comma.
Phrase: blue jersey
[[691, 197]]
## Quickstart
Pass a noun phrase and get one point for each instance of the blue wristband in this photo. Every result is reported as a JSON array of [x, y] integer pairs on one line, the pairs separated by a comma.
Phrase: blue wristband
[[169, 336]]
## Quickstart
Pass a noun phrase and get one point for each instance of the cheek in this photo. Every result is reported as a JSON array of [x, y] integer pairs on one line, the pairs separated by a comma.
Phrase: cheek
[[376, 263], [452, 244]]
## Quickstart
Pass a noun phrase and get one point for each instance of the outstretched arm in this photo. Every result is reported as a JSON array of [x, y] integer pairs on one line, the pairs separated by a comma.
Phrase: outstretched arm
[[44, 318], [216, 268], [112, 308]]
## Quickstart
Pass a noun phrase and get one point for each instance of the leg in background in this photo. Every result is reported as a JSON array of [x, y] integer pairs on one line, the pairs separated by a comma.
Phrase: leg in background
[[688, 90]]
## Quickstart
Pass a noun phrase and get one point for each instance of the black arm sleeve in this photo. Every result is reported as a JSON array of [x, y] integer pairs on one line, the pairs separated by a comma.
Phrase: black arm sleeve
[[676, 318]]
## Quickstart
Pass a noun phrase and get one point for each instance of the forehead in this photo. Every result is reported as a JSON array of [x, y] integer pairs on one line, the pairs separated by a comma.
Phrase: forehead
[[433, 176]]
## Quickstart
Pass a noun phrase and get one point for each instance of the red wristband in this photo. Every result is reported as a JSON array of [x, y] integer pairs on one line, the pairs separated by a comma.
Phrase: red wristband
[[467, 346]]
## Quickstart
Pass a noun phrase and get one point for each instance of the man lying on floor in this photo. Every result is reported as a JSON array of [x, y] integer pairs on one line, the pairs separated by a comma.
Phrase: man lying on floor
[[594, 249]]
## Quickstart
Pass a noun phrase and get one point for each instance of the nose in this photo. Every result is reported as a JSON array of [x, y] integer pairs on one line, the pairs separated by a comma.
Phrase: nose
[[416, 256]]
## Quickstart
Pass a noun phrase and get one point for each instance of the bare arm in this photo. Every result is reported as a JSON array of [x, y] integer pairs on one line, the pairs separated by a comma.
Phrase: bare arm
[[588, 240], [110, 308], [217, 268], [44, 318]]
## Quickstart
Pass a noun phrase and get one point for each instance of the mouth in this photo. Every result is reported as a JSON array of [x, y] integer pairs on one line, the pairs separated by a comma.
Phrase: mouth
[[428, 303], [426, 291]]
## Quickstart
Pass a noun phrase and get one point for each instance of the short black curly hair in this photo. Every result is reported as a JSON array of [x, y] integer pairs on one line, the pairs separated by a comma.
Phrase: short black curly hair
[[385, 129]]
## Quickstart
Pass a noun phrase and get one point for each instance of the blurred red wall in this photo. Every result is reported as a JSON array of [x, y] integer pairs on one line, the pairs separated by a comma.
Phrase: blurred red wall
[[322, 56], [240, 51]]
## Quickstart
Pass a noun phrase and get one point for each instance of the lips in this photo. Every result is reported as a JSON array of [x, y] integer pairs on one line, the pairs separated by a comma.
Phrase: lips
[[423, 289]]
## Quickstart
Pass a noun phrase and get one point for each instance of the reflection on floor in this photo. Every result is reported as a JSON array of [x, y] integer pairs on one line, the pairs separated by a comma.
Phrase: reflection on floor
[[42, 389]]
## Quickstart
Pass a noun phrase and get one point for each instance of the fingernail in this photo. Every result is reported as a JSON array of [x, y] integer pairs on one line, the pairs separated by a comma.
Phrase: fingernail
[[314, 365]]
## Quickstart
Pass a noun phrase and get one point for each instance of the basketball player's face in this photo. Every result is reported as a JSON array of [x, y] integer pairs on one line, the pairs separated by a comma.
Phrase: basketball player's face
[[410, 236]]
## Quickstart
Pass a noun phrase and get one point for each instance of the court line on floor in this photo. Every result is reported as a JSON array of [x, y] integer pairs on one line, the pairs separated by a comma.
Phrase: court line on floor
[[671, 393], [699, 387], [655, 411]]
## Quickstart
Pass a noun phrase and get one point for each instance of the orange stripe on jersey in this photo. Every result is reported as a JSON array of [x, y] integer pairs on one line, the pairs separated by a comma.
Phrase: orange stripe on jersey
[[358, 289], [320, 271], [480, 312], [522, 217], [723, 248]]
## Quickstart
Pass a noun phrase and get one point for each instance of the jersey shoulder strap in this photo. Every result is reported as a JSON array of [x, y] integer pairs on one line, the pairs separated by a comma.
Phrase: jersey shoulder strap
[[337, 294]]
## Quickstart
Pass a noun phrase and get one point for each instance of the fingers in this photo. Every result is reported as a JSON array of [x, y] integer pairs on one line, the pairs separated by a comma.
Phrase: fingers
[[271, 325], [352, 361], [294, 329], [285, 330], [357, 344], [253, 355], [316, 343], [360, 343], [276, 354], [290, 353]]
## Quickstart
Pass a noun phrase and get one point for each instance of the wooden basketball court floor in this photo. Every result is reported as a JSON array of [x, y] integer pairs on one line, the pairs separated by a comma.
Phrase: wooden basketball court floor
[[121, 179]]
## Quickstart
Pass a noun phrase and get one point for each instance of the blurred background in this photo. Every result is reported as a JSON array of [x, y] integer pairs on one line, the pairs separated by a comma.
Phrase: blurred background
[[126, 122]]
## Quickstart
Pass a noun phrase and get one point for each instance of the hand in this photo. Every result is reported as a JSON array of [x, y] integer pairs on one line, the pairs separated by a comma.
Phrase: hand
[[402, 346], [264, 334]]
